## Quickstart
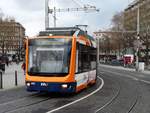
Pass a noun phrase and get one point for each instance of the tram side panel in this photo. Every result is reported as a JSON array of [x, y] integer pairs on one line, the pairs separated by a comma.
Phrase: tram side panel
[[85, 66]]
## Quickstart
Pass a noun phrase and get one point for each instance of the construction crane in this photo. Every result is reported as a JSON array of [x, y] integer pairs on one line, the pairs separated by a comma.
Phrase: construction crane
[[86, 8]]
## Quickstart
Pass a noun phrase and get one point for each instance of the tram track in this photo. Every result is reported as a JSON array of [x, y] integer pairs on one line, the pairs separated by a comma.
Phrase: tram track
[[120, 94], [24, 107], [112, 106], [111, 100], [15, 94], [133, 105], [102, 98], [21, 103], [136, 91], [20, 99], [50, 100]]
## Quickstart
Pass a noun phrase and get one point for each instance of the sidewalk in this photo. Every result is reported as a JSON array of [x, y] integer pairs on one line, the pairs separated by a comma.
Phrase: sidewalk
[[9, 76], [123, 68]]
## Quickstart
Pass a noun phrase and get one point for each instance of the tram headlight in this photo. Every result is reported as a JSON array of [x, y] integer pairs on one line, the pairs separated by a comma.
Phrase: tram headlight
[[28, 84], [64, 86], [32, 83]]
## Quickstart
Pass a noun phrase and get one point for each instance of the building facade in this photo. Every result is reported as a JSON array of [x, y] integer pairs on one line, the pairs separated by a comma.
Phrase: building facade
[[130, 16], [130, 24], [11, 37]]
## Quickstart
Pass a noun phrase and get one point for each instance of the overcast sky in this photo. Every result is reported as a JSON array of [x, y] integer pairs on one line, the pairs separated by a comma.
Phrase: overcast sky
[[31, 13]]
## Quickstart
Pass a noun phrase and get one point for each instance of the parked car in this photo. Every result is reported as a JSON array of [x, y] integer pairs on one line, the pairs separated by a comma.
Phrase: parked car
[[116, 62]]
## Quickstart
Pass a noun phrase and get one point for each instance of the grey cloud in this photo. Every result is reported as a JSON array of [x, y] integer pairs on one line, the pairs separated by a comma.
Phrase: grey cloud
[[30, 5], [29, 13]]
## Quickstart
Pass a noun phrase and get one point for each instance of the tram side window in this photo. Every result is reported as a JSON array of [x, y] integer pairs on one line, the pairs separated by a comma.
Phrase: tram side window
[[83, 59], [86, 59], [93, 58]]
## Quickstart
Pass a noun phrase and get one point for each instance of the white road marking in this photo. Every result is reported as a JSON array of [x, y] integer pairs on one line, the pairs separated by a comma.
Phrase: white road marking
[[134, 78], [148, 82], [102, 72], [128, 76], [66, 105]]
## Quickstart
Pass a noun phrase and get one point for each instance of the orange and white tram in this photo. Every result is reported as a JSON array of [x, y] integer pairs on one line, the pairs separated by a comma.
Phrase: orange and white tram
[[60, 60]]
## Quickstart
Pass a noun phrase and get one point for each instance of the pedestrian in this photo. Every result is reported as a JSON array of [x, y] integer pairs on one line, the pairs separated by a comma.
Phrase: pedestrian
[[23, 66]]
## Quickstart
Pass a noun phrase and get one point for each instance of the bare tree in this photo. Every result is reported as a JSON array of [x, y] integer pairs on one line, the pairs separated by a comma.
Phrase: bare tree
[[117, 37], [117, 22]]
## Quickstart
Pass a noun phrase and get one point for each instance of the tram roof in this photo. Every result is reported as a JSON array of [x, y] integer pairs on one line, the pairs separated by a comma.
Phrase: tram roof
[[64, 31], [59, 31]]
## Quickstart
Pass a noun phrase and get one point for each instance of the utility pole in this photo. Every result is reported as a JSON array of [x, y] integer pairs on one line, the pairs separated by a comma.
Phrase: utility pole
[[54, 16], [138, 35], [46, 14], [48, 11], [97, 53], [97, 35]]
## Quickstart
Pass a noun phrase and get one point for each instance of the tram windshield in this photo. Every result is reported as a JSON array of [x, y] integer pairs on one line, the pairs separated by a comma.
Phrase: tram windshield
[[49, 56]]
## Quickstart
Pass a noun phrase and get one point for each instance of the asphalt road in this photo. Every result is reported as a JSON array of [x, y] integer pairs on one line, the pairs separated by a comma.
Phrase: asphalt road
[[122, 92]]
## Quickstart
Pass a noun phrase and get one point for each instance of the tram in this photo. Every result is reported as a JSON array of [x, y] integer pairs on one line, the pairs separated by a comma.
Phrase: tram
[[60, 60]]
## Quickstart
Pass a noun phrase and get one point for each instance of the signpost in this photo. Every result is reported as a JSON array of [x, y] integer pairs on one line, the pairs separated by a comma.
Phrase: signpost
[[1, 80]]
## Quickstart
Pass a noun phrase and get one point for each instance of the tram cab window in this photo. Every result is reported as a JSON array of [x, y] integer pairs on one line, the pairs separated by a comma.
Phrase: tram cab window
[[49, 57]]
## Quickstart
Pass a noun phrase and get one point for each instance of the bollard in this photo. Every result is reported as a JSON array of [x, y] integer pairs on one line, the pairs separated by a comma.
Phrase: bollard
[[1, 80], [16, 81]]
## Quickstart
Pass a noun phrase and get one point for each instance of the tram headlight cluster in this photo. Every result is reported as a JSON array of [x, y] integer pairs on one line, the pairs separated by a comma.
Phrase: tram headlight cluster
[[64, 86], [30, 83]]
